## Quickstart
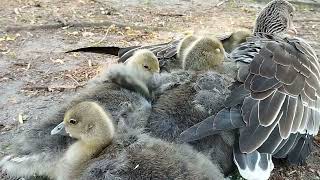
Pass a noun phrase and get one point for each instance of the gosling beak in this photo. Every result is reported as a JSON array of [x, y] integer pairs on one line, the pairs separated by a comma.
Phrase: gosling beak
[[59, 129]]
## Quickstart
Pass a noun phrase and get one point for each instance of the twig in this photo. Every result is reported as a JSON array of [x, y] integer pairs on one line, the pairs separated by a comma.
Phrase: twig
[[220, 3], [49, 89], [80, 24], [170, 14], [47, 71], [104, 37], [33, 88], [292, 172], [70, 76]]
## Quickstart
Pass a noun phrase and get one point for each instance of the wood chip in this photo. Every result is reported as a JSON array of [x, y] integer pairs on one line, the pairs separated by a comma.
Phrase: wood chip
[[90, 63], [20, 118], [136, 166]]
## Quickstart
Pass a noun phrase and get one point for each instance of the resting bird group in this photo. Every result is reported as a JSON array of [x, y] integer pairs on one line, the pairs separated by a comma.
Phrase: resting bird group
[[194, 108]]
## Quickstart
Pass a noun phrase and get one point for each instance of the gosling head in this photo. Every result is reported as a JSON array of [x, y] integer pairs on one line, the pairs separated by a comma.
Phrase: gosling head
[[203, 54], [276, 18], [86, 121], [235, 39], [184, 44], [240, 36], [144, 59]]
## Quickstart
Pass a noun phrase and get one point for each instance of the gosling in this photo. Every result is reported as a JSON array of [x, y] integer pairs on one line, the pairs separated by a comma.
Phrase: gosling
[[124, 152], [202, 53], [93, 129]]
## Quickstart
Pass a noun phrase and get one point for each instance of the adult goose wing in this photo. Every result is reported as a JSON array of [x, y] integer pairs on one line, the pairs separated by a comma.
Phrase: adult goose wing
[[164, 51], [284, 87], [283, 97]]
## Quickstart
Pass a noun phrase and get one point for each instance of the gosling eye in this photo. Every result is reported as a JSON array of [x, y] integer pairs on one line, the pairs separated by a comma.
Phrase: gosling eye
[[146, 67], [73, 121]]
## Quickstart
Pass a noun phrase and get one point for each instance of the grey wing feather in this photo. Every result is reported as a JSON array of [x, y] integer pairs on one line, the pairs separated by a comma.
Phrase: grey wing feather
[[297, 117], [270, 107], [261, 84], [246, 51], [254, 135], [224, 120], [274, 140], [237, 96], [129, 51], [283, 150], [253, 165], [286, 122], [283, 81], [301, 150], [123, 51]]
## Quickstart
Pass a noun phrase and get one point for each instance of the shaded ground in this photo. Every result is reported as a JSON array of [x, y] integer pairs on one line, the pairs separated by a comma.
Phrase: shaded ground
[[36, 76]]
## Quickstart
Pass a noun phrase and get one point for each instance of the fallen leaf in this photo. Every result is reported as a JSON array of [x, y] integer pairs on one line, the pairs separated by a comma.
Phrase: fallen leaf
[[73, 33], [16, 11], [58, 61], [87, 34]]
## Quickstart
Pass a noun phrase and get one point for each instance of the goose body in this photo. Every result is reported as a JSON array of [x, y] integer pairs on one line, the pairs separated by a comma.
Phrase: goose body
[[270, 105]]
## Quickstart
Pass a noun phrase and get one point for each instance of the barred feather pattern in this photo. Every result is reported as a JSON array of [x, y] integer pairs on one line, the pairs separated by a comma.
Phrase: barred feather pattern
[[275, 18], [284, 90]]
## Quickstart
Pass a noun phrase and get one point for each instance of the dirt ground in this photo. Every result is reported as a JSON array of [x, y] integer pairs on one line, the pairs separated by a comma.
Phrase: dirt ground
[[36, 75]]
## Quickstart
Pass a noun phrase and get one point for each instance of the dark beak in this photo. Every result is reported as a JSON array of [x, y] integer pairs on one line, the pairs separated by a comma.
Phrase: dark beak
[[59, 129]]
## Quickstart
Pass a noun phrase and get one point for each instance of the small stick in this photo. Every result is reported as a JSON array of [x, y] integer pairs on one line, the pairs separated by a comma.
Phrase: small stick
[[220, 3], [170, 14], [80, 24], [70, 76]]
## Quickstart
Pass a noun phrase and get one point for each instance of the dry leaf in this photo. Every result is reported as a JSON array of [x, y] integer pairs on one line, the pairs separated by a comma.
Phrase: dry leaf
[[9, 37], [73, 33], [58, 61], [87, 34], [16, 11]]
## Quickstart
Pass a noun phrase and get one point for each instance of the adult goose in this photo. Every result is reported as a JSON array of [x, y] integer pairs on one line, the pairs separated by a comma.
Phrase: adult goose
[[275, 102]]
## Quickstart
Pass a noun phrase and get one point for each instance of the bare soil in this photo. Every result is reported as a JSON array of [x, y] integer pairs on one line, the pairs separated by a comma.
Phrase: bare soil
[[36, 75]]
